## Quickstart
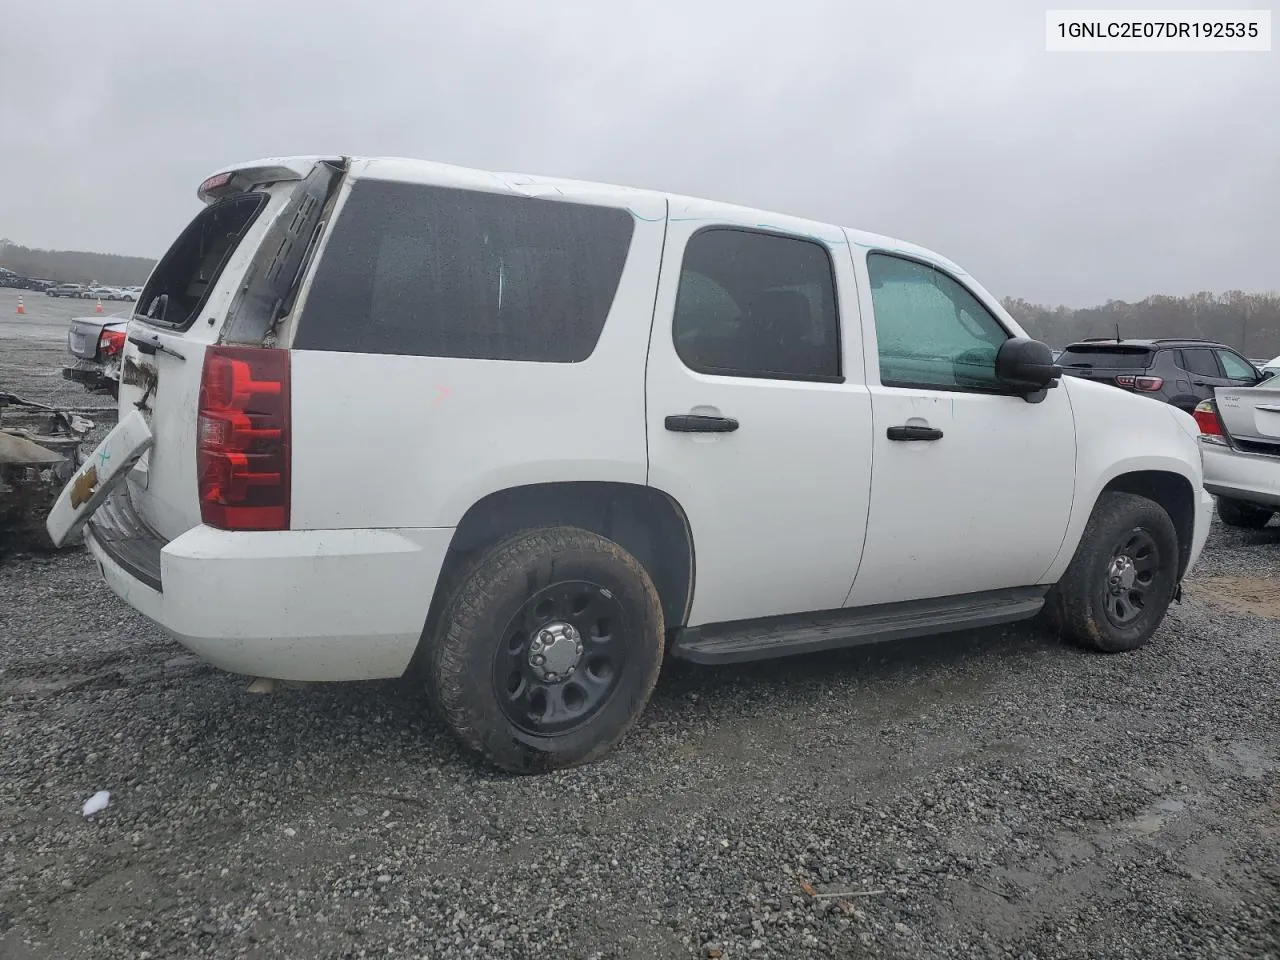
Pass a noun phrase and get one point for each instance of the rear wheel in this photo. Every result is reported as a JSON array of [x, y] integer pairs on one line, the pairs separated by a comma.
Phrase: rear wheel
[[547, 649], [1237, 513], [1122, 578]]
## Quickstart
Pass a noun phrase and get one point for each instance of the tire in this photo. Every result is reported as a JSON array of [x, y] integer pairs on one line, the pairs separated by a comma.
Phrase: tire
[[568, 587], [1247, 516], [1082, 605]]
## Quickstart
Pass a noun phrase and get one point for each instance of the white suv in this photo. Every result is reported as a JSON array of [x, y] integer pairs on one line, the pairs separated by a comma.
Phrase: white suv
[[527, 436]]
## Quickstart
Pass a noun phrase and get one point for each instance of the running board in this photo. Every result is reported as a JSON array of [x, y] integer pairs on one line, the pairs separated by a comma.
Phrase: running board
[[742, 640]]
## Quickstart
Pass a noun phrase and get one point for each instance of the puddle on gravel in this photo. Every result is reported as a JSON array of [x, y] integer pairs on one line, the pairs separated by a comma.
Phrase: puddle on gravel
[[1255, 596], [1153, 819]]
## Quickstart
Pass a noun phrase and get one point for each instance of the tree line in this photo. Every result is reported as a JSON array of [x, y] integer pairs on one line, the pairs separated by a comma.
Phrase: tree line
[[1250, 322], [75, 266]]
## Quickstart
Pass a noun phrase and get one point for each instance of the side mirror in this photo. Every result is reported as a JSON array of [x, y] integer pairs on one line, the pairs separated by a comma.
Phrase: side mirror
[[1027, 367]]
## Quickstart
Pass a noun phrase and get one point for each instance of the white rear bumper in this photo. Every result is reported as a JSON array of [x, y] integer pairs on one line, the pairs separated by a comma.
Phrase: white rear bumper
[[1231, 473], [293, 605]]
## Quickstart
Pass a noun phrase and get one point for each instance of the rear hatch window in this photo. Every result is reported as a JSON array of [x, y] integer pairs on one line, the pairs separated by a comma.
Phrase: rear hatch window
[[443, 272], [183, 280], [1105, 359]]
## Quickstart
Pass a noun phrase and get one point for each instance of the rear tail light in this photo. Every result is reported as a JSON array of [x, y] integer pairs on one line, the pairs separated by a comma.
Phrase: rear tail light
[[1206, 414], [111, 342], [1148, 384], [242, 445]]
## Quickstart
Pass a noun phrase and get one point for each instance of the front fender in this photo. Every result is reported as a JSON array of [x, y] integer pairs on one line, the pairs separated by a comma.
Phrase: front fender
[[1119, 433]]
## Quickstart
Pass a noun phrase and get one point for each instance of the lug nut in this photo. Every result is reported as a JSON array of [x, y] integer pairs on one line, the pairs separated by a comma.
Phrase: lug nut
[[539, 660]]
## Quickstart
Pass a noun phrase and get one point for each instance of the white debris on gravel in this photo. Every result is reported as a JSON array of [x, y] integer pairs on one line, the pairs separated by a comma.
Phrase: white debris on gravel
[[97, 803]]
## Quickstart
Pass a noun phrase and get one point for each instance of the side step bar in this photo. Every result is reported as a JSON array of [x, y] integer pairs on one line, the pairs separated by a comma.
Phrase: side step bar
[[743, 640]]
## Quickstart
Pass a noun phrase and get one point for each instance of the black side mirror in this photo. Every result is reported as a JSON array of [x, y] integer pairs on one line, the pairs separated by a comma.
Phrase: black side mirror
[[1027, 366]]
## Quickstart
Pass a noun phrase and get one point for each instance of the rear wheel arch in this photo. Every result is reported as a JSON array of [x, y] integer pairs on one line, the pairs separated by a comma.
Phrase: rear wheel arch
[[1173, 492], [644, 521]]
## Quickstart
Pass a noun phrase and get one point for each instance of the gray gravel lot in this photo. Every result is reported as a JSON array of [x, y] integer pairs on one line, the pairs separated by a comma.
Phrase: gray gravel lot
[[989, 794]]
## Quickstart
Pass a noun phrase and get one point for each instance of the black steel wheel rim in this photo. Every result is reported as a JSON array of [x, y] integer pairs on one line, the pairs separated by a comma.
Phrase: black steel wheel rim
[[1131, 578], [568, 687]]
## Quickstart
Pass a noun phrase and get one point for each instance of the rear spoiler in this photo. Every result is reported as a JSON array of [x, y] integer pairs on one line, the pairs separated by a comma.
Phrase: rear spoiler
[[243, 177]]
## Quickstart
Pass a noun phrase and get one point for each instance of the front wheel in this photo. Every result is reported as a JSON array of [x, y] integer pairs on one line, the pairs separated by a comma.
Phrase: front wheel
[[1247, 516], [1122, 578], [547, 649]]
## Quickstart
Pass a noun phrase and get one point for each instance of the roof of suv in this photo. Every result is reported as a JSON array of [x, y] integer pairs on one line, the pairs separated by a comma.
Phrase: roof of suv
[[681, 207], [1147, 342]]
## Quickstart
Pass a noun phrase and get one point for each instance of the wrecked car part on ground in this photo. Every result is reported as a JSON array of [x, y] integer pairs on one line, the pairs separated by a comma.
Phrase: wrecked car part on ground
[[39, 453]]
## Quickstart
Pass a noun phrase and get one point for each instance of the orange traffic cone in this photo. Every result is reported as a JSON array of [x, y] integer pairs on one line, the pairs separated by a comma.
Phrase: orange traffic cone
[[98, 308], [21, 308]]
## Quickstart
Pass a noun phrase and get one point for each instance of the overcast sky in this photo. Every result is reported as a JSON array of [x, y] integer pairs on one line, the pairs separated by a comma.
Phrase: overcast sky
[[1062, 178]]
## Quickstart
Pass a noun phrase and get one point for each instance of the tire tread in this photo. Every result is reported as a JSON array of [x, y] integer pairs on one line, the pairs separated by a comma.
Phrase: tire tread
[[472, 597]]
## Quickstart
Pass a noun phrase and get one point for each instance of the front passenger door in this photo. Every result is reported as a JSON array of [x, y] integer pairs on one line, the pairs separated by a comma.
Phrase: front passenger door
[[1239, 371], [971, 486]]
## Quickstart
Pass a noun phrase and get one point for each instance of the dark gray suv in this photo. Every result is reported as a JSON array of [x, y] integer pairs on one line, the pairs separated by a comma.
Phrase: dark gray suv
[[1180, 372]]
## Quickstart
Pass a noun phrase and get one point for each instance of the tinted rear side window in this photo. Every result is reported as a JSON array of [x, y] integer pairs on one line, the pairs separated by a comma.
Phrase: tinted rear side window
[[440, 272], [1200, 362], [756, 304], [1106, 358]]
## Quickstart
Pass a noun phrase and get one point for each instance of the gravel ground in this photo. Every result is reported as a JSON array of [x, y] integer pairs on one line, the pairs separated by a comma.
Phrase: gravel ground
[[988, 794]]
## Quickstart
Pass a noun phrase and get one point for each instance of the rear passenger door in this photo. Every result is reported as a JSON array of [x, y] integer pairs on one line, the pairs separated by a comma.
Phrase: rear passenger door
[[1206, 374], [758, 417]]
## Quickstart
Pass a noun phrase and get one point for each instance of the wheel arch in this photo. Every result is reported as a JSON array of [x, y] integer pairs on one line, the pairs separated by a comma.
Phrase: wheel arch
[[646, 522], [1173, 492]]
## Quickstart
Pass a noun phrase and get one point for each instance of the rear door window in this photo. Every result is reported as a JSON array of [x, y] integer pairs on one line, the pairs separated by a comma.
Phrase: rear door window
[[754, 304], [441, 272], [1200, 362]]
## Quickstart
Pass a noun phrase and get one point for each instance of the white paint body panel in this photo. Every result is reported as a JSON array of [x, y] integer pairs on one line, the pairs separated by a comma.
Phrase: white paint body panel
[[294, 605], [106, 468], [162, 486], [1238, 475], [983, 508], [777, 508], [389, 453], [1117, 433], [407, 441]]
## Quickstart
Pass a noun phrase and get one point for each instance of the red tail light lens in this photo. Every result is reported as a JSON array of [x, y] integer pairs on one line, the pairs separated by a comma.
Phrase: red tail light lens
[[111, 342], [1149, 384], [1206, 415], [242, 447]]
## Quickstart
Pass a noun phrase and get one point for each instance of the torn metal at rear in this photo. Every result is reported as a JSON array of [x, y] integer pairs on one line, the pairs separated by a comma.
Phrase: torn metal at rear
[[39, 453]]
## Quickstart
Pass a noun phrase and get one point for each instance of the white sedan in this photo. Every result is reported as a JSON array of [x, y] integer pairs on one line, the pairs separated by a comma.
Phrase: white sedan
[[1240, 447]]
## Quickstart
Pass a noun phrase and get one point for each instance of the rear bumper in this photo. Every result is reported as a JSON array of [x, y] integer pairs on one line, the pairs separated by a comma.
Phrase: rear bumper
[[1237, 475], [291, 605]]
